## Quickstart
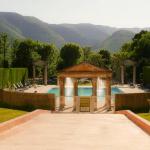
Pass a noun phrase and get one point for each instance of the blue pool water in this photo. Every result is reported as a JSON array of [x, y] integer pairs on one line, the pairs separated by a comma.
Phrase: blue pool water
[[84, 91]]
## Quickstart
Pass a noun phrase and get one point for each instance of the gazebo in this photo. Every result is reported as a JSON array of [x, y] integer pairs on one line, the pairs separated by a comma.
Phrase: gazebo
[[85, 70]]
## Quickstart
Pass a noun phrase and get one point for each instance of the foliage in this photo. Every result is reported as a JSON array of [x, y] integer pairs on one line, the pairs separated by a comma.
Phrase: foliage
[[14, 49], [86, 51], [23, 53], [106, 58], [4, 50], [139, 51], [117, 59], [96, 59], [50, 54], [146, 75], [11, 76], [70, 54], [4, 77], [142, 46]]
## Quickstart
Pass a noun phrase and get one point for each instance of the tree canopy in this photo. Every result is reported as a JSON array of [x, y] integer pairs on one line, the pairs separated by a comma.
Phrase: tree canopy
[[70, 54], [23, 53]]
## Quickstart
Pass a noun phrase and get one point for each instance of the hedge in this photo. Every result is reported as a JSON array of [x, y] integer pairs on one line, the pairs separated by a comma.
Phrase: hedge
[[146, 74], [10, 76]]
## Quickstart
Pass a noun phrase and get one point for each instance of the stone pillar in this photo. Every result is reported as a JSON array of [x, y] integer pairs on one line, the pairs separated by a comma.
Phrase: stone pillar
[[108, 93], [94, 92], [122, 74], [45, 74], [34, 74], [75, 92], [134, 74], [62, 92]]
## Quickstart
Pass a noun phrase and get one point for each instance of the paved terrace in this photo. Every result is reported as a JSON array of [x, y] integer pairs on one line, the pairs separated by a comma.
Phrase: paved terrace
[[76, 132]]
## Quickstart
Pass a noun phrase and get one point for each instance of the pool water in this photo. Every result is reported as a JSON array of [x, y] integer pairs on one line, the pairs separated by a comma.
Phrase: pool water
[[84, 91]]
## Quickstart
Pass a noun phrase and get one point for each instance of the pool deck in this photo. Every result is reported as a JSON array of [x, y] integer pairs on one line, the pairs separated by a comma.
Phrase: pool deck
[[44, 89], [76, 132]]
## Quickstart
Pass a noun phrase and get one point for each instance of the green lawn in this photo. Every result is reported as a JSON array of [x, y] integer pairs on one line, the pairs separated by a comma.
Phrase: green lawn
[[7, 114], [145, 116]]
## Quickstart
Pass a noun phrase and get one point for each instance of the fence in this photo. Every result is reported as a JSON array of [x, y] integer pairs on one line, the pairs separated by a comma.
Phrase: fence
[[136, 102], [27, 101]]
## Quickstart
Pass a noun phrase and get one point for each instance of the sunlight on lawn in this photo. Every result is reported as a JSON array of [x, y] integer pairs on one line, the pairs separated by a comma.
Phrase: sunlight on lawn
[[145, 116], [7, 114]]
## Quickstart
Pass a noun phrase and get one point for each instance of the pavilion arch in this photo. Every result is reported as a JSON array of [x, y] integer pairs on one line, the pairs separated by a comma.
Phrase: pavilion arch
[[85, 70]]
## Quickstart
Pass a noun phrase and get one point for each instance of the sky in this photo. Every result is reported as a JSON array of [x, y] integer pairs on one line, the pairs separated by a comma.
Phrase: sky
[[116, 13]]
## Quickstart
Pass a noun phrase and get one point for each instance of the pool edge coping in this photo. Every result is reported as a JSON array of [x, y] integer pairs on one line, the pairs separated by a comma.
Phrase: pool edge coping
[[139, 121]]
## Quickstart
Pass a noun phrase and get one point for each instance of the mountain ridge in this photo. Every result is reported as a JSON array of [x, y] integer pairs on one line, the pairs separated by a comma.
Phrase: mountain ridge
[[86, 34]]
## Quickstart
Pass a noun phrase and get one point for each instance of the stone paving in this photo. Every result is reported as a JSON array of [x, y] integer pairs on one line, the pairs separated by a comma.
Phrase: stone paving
[[76, 132]]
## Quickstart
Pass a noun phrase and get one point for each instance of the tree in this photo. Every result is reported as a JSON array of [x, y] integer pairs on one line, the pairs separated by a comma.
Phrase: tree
[[70, 54], [26, 54], [117, 59], [86, 53], [142, 48], [96, 59], [105, 54], [4, 49], [49, 53], [14, 50]]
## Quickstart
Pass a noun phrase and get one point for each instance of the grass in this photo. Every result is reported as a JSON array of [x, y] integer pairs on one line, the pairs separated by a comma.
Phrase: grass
[[145, 116], [7, 114]]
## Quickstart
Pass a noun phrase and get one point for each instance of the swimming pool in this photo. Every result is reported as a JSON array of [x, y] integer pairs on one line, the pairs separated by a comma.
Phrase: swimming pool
[[84, 91]]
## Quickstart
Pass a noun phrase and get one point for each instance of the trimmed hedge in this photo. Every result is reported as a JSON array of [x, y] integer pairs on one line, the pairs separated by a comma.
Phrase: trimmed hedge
[[146, 74], [10, 76]]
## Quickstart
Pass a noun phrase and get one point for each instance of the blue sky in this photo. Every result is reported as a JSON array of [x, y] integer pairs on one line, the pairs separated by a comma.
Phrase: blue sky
[[118, 13]]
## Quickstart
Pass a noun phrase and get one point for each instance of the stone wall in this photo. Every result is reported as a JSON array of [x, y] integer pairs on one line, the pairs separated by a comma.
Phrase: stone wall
[[136, 102], [27, 101]]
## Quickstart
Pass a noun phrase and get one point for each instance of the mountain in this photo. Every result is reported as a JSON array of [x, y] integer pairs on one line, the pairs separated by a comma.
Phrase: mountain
[[117, 39], [18, 26], [96, 36]]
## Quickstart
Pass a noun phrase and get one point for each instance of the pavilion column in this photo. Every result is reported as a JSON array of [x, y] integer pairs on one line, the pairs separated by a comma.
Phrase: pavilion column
[[134, 74], [62, 92], [75, 93], [45, 74], [108, 93], [33, 73], [122, 74], [94, 92]]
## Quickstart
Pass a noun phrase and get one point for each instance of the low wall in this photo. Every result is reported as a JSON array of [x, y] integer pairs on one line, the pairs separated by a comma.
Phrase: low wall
[[136, 102], [27, 101], [142, 123]]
